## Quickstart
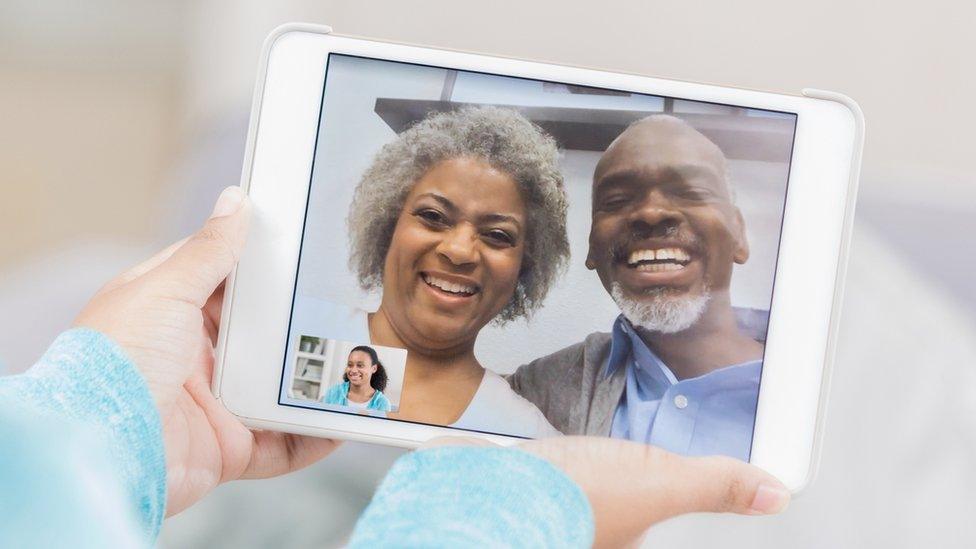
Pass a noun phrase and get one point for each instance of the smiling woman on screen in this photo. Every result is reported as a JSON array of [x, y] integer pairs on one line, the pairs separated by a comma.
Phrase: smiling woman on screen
[[467, 225]]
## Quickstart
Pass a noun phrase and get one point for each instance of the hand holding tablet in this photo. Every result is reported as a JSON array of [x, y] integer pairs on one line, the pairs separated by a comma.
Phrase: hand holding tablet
[[632, 487], [164, 311], [531, 250]]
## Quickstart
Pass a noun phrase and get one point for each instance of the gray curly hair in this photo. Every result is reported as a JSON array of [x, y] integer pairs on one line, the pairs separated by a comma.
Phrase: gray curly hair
[[506, 141]]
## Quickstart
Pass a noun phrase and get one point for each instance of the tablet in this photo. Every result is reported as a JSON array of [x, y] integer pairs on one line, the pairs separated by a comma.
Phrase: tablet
[[446, 243]]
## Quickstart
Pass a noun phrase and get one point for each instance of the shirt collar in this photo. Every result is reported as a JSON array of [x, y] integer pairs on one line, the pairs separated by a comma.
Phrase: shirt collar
[[619, 346], [626, 343]]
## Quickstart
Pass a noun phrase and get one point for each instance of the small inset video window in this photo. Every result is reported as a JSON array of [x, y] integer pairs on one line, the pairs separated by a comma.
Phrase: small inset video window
[[356, 376]]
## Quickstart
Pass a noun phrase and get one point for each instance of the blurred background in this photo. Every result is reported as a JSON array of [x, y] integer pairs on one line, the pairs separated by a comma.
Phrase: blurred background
[[121, 120]]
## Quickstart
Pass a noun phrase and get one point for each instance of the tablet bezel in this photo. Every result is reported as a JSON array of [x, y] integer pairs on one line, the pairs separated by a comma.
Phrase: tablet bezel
[[258, 299]]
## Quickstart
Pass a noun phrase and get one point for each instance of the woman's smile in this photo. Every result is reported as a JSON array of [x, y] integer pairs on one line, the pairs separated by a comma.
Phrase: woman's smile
[[458, 287], [357, 376]]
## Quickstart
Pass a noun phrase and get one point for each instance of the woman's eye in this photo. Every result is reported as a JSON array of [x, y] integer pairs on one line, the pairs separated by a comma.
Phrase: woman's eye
[[433, 217], [500, 237]]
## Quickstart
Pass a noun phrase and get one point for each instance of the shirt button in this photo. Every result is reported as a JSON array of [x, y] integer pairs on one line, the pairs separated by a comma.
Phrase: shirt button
[[681, 402]]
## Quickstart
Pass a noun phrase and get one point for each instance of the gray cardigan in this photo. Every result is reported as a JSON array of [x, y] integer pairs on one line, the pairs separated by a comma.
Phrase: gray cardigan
[[570, 388]]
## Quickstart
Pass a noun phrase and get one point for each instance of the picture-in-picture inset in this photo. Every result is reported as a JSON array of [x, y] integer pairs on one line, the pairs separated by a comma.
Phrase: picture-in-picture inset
[[346, 374]]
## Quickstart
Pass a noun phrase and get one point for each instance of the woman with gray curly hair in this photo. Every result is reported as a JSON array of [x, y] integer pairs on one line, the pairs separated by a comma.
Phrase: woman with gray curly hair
[[461, 221]]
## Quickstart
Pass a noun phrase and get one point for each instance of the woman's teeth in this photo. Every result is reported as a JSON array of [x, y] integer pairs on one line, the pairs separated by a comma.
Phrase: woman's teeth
[[449, 287], [663, 259]]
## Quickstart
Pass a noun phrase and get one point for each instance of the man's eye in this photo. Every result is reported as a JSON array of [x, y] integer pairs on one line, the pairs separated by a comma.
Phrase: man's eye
[[501, 237], [694, 194], [614, 202]]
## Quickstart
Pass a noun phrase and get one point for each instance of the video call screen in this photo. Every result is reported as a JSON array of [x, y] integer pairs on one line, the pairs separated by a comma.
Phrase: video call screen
[[531, 258]]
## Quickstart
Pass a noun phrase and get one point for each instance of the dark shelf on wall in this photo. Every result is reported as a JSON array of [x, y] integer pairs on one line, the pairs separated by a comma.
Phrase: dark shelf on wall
[[763, 139]]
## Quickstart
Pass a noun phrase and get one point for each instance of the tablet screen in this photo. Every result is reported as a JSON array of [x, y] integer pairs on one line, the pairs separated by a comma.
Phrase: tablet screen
[[528, 258]]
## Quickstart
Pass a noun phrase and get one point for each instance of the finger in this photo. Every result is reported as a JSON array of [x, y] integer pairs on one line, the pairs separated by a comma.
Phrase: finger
[[187, 436], [722, 485], [144, 267], [254, 454], [211, 313], [195, 270], [279, 453]]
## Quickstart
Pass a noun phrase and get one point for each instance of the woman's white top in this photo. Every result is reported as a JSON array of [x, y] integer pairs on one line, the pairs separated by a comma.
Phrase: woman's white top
[[358, 405], [495, 407]]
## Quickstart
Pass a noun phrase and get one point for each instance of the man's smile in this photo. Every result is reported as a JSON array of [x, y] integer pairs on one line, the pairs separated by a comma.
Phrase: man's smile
[[658, 260], [645, 265]]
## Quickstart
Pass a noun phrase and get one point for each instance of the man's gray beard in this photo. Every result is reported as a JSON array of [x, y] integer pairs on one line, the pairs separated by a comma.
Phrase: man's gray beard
[[660, 311]]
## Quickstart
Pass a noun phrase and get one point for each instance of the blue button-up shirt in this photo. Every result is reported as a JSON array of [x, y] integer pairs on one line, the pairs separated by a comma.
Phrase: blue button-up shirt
[[706, 415]]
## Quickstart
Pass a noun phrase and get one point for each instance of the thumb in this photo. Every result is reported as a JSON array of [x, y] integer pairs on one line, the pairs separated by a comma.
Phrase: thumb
[[725, 485], [632, 486], [195, 270]]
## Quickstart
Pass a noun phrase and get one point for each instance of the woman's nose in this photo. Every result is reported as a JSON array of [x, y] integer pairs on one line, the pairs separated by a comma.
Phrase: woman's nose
[[459, 245]]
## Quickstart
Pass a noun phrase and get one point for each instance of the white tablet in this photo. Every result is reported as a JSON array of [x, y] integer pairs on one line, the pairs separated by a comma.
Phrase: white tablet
[[447, 243]]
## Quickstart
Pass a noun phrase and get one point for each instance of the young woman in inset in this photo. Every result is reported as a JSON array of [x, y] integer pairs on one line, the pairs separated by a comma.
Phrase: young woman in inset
[[362, 383]]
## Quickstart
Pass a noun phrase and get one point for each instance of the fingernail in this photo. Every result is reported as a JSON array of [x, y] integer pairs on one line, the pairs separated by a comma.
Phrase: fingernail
[[228, 202], [770, 499]]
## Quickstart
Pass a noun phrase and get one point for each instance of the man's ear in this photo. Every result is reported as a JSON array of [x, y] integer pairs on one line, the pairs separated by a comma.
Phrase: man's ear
[[741, 254]]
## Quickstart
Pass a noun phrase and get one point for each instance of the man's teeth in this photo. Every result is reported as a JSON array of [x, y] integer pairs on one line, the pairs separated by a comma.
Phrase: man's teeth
[[450, 287], [659, 267], [674, 258]]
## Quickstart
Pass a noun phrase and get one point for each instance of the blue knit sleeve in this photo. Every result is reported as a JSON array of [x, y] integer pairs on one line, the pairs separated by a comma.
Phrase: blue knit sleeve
[[80, 428], [475, 497]]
